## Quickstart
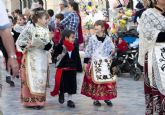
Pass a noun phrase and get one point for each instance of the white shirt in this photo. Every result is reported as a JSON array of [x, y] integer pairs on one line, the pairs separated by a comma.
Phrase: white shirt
[[4, 20]]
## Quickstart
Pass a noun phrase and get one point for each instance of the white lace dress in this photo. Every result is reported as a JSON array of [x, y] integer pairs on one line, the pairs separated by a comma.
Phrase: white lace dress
[[151, 24]]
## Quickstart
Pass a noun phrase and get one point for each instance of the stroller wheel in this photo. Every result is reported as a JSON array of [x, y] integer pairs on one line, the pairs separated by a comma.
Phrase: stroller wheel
[[126, 67], [117, 71], [132, 72], [137, 74]]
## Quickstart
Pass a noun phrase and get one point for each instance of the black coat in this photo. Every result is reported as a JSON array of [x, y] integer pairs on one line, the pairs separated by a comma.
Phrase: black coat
[[69, 62]]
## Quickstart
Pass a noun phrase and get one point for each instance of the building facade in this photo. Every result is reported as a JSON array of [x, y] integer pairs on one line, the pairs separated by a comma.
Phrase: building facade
[[53, 4], [11, 5]]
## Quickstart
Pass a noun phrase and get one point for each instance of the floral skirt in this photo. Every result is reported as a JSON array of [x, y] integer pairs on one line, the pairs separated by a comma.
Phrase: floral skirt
[[98, 91], [154, 100]]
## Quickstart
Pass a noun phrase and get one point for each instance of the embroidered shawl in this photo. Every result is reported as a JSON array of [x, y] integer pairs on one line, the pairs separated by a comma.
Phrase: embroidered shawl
[[150, 25], [94, 43]]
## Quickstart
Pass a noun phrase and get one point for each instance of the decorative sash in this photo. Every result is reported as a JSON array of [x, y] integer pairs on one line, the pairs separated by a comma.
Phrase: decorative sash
[[57, 79], [100, 67]]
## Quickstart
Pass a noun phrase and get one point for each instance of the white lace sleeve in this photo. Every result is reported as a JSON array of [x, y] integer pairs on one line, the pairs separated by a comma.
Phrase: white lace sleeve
[[23, 38], [109, 47], [147, 27], [148, 32], [88, 49]]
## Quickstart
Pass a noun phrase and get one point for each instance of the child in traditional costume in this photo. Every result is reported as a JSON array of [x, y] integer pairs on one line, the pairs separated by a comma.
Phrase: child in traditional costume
[[100, 46], [68, 64], [20, 23], [34, 42], [19, 27]]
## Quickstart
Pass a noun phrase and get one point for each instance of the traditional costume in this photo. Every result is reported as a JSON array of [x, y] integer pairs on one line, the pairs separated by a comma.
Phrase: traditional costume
[[68, 66], [151, 56], [104, 91], [18, 29], [34, 66]]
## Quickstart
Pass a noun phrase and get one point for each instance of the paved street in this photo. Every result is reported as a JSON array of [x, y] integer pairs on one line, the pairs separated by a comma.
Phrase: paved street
[[130, 101]]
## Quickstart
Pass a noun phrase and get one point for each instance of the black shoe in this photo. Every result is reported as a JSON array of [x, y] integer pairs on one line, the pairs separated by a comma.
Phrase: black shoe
[[97, 103], [61, 98], [38, 107], [17, 76], [12, 84], [29, 107], [8, 79], [108, 102], [70, 104]]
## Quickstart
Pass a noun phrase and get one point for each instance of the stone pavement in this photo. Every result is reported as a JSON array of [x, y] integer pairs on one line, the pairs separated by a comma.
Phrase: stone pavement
[[130, 101]]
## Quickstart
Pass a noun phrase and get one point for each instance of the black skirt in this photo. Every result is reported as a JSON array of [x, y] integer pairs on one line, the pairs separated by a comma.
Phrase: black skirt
[[68, 82]]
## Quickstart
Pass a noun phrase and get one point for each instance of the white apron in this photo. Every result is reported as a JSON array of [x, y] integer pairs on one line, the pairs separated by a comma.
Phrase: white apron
[[158, 61], [37, 65], [101, 67]]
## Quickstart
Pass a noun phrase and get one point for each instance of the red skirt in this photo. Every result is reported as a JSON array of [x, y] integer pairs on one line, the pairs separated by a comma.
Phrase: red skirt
[[98, 91]]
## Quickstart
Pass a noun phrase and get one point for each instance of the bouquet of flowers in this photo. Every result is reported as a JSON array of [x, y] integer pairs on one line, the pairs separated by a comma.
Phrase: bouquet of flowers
[[88, 23]]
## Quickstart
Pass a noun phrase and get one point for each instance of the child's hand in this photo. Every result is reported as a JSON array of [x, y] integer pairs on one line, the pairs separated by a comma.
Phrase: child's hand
[[86, 70], [113, 52], [85, 67], [51, 35]]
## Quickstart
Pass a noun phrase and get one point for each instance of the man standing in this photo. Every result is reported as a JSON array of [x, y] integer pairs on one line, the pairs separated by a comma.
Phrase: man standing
[[71, 21], [63, 4], [8, 41]]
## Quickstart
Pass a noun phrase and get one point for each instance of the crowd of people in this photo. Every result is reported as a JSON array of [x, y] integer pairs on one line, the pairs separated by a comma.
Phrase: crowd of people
[[29, 37], [36, 32]]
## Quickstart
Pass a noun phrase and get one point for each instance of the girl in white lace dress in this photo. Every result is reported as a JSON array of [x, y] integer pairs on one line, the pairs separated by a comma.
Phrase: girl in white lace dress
[[34, 42], [105, 91]]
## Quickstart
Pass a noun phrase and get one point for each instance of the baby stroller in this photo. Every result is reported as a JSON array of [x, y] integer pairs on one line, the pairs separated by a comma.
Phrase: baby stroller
[[127, 61]]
